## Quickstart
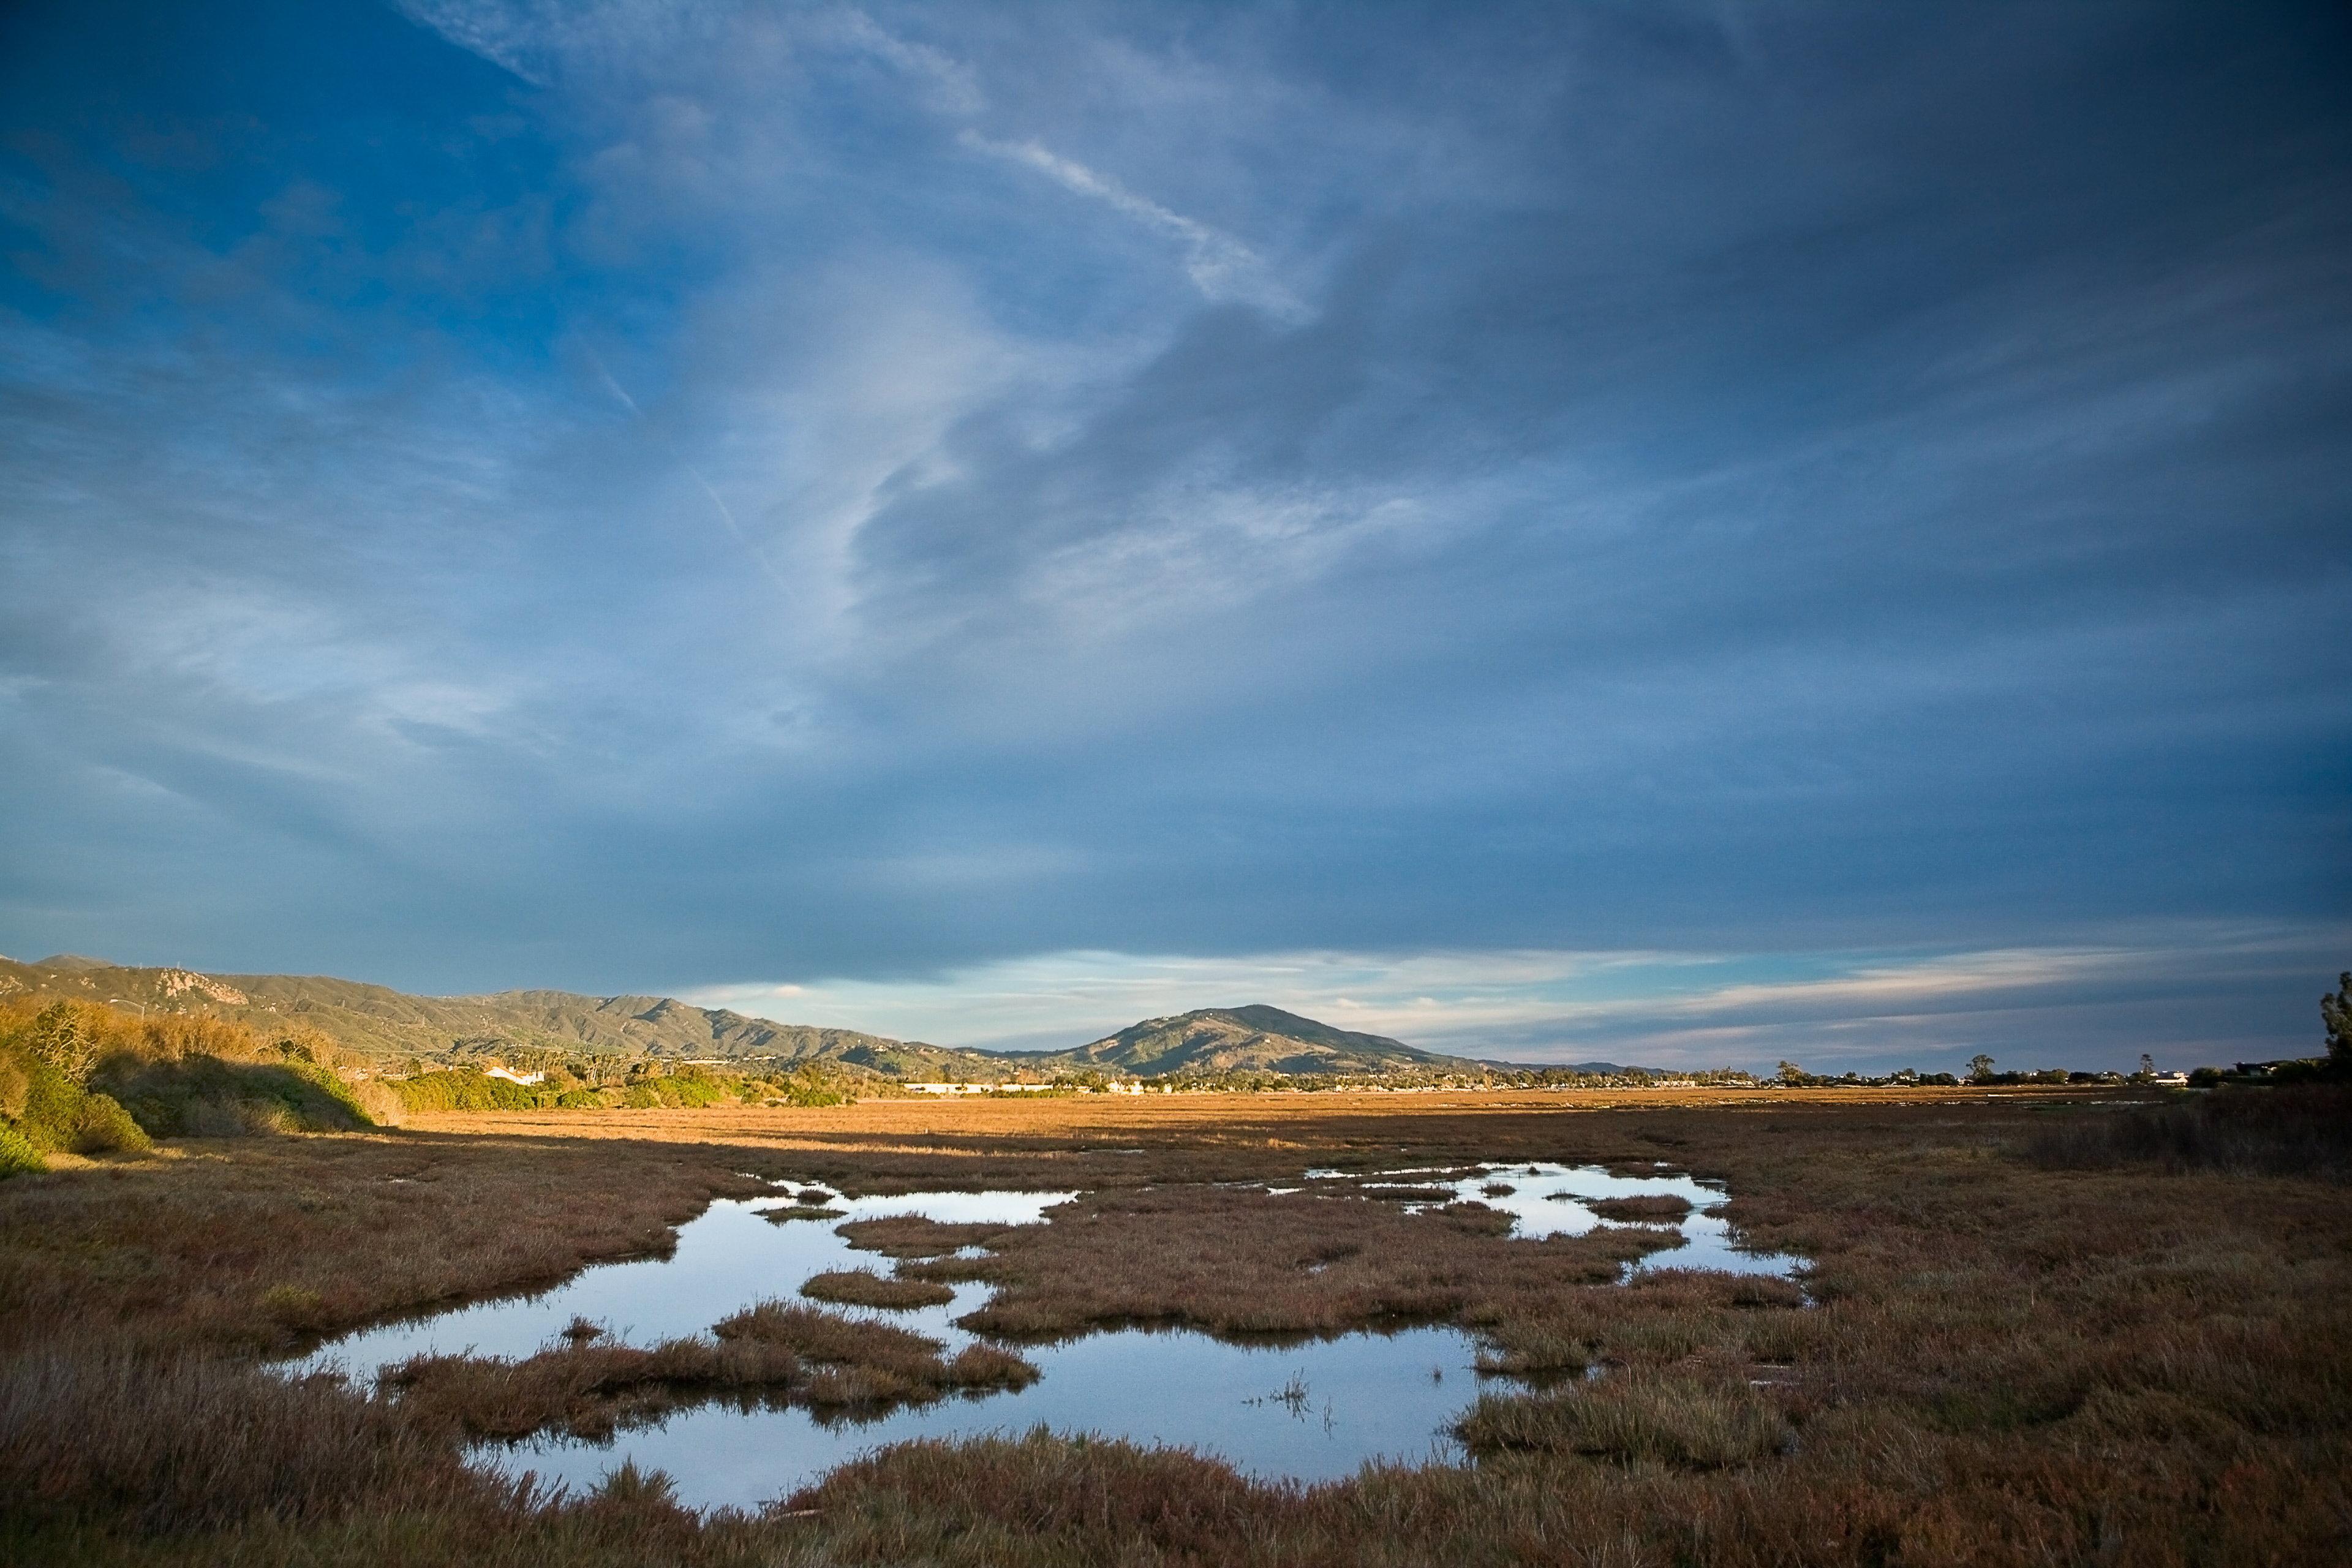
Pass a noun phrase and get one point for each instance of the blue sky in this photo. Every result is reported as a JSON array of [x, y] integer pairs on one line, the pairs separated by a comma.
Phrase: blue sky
[[1688, 533]]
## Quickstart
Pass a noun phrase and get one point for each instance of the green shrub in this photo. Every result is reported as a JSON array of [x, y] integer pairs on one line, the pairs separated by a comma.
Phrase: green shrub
[[697, 1092], [465, 1089], [14, 1084], [211, 1097], [18, 1154], [85, 1077], [107, 1129], [53, 1108]]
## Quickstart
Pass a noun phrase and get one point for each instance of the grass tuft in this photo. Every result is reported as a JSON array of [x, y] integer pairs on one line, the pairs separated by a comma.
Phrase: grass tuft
[[864, 1288], [1661, 1208], [1632, 1418], [586, 1389]]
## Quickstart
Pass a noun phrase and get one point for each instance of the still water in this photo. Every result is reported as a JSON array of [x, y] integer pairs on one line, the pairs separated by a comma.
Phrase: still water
[[1547, 1200], [1311, 1411]]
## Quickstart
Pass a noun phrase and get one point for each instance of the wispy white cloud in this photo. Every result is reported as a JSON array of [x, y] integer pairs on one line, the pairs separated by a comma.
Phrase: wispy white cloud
[[509, 38], [1221, 267], [725, 513], [952, 86]]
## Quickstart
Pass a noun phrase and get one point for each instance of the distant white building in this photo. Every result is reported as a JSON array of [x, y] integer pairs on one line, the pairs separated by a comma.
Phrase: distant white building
[[979, 1088], [512, 1076], [1120, 1087]]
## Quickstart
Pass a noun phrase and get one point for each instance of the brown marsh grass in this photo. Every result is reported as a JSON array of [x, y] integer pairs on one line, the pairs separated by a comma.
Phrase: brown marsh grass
[[585, 1390], [2304, 1132], [2011, 1360], [915, 1235], [1698, 1423], [861, 1362], [1236, 1262], [864, 1288], [1666, 1209]]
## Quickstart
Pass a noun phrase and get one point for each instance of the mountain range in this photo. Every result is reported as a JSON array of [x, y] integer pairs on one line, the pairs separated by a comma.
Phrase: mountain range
[[378, 1021]]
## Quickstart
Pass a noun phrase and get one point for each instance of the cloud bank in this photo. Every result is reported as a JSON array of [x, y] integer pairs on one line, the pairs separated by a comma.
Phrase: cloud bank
[[1838, 494]]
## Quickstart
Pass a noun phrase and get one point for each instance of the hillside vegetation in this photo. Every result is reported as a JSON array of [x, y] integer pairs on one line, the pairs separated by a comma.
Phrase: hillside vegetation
[[83, 1079], [510, 1026]]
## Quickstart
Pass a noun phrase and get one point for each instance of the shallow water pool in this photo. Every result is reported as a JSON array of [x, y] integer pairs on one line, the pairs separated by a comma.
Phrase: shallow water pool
[[1307, 1411], [1553, 1200]]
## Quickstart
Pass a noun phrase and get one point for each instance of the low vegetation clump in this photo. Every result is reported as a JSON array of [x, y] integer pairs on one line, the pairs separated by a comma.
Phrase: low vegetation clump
[[584, 1388], [467, 1089], [864, 1288], [1651, 1417], [862, 1362], [1238, 1262], [1387, 1192], [590, 1386], [19, 1153], [915, 1235], [1649, 1209], [78, 1077], [557, 1082]]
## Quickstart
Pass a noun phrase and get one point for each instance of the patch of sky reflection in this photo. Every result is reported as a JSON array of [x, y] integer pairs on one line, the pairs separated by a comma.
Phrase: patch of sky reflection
[[727, 1257], [1310, 1411], [1547, 1200]]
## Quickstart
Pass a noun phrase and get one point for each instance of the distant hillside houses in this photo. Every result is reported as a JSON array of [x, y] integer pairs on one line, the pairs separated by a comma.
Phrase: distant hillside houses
[[1126, 1086]]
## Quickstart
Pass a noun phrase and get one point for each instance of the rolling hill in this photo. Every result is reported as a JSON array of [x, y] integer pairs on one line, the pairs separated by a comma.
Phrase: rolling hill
[[1248, 1039], [378, 1021]]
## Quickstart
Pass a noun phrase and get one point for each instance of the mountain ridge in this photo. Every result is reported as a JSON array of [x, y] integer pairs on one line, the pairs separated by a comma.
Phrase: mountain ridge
[[378, 1021]]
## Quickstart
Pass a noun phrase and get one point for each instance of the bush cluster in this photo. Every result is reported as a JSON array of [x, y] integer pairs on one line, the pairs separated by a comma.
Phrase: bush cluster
[[79, 1077], [590, 1084]]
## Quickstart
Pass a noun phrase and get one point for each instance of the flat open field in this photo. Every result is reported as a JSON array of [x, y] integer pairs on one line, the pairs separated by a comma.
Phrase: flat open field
[[1997, 1355], [1216, 1116]]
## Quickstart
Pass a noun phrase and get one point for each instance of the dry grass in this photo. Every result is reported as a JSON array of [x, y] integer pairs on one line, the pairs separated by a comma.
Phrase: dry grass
[[862, 1362], [2009, 1362], [864, 1288], [913, 1236], [94, 1431], [1697, 1423], [584, 1389], [1658, 1210], [2260, 1131], [1240, 1262]]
